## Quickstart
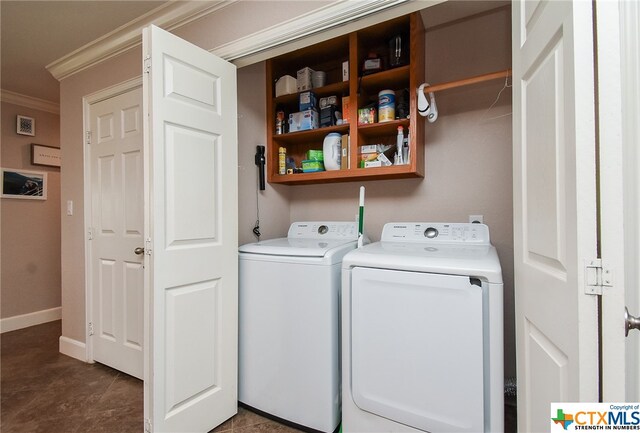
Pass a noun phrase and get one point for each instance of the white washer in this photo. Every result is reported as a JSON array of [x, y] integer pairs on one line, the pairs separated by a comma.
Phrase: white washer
[[422, 331], [289, 352]]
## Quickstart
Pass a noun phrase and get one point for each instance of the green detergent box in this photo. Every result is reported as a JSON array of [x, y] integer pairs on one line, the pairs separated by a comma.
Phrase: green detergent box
[[311, 166], [315, 155]]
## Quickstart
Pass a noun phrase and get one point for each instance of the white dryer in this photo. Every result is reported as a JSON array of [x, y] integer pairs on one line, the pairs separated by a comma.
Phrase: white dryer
[[289, 350], [422, 338]]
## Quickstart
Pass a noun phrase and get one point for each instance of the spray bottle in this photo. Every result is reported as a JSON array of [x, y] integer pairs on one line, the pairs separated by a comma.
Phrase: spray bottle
[[399, 140]]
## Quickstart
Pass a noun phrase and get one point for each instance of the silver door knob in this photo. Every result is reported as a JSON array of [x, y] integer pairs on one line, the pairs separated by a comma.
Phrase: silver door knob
[[139, 251], [630, 322]]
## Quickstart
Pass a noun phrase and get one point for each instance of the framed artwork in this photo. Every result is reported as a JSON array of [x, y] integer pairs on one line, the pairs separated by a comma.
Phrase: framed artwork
[[45, 155], [24, 184], [26, 125]]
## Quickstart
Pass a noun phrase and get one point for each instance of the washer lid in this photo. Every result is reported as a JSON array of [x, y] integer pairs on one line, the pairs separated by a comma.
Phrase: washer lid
[[480, 261], [307, 239], [295, 247]]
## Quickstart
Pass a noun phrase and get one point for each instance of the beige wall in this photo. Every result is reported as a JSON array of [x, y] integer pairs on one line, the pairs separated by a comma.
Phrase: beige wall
[[467, 154], [72, 90], [468, 151], [273, 202], [230, 23], [30, 234]]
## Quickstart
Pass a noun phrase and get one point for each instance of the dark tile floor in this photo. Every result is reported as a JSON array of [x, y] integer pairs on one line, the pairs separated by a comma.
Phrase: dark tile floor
[[45, 391]]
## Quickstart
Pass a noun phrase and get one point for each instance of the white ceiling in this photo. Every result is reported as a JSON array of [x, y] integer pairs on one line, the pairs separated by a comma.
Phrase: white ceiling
[[35, 33]]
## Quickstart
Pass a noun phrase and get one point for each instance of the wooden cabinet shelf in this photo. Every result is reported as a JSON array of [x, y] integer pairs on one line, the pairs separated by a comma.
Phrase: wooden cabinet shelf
[[360, 91], [311, 135], [384, 79], [331, 89], [349, 175], [383, 129]]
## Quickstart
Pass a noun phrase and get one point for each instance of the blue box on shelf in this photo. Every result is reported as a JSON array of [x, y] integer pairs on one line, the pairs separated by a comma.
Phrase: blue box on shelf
[[303, 120], [307, 101]]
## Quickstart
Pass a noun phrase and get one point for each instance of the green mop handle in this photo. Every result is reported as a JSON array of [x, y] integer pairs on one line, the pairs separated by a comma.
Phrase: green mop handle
[[361, 218]]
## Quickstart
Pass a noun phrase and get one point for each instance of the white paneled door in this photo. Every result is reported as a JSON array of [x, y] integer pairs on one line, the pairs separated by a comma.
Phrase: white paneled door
[[555, 230], [117, 227], [191, 240]]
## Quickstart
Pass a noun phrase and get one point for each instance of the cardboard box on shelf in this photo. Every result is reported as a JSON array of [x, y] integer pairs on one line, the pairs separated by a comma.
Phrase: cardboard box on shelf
[[285, 85], [345, 109], [304, 78], [303, 120], [307, 101]]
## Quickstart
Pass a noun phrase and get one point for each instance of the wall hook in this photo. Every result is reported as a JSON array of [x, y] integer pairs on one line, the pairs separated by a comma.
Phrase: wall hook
[[427, 109]]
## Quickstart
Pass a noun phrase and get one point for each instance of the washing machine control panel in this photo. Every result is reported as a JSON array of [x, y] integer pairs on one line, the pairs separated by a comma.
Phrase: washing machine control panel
[[323, 230], [436, 232]]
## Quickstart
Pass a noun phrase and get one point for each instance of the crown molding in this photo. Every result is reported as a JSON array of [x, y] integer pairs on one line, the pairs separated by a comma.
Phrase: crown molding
[[342, 16], [169, 16], [347, 15], [29, 101]]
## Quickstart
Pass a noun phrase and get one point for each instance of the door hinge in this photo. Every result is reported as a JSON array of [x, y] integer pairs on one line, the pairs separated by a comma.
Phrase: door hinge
[[147, 425], [90, 328], [596, 276], [88, 137], [90, 233], [147, 64], [148, 245]]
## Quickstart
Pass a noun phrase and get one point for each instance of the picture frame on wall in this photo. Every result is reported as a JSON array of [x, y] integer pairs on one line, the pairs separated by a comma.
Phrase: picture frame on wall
[[23, 184], [26, 125], [45, 155]]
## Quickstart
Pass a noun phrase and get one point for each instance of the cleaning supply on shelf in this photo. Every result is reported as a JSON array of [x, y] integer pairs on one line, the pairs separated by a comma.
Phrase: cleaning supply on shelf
[[399, 142], [281, 123], [405, 148], [314, 154], [386, 106], [312, 166], [331, 151], [282, 160]]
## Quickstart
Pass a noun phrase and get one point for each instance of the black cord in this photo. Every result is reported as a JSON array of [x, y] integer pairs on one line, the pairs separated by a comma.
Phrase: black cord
[[256, 227]]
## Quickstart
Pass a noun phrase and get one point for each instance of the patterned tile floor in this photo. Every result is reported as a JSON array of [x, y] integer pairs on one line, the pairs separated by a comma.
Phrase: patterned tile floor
[[44, 391]]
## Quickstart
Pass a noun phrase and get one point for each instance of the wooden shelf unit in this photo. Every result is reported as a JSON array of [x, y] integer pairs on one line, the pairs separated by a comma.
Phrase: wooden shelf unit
[[361, 91]]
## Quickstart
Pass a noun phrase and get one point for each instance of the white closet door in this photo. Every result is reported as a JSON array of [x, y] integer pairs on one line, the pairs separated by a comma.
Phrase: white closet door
[[192, 233]]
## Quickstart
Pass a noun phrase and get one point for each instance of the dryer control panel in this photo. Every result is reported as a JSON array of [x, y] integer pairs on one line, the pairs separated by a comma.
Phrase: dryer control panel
[[477, 234], [323, 230]]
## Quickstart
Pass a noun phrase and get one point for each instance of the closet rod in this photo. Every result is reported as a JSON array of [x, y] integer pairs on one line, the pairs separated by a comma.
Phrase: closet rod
[[467, 81]]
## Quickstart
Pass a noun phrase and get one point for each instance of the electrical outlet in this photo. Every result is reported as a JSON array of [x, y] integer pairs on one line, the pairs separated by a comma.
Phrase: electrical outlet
[[477, 219]]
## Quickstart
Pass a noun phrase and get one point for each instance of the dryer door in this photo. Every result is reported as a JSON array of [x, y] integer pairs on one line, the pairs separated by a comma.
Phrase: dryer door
[[417, 349]]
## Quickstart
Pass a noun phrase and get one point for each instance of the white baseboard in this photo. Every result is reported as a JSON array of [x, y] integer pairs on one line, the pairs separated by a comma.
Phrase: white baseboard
[[25, 320], [73, 348]]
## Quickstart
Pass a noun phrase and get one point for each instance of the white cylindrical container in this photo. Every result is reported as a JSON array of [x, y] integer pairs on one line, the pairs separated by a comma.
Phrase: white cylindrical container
[[331, 151], [386, 106]]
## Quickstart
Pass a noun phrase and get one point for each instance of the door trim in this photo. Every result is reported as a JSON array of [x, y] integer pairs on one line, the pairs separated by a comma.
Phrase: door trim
[[611, 183], [630, 64], [87, 102]]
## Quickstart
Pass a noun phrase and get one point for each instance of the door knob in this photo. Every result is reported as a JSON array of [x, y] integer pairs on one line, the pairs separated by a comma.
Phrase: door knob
[[139, 251], [630, 322]]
